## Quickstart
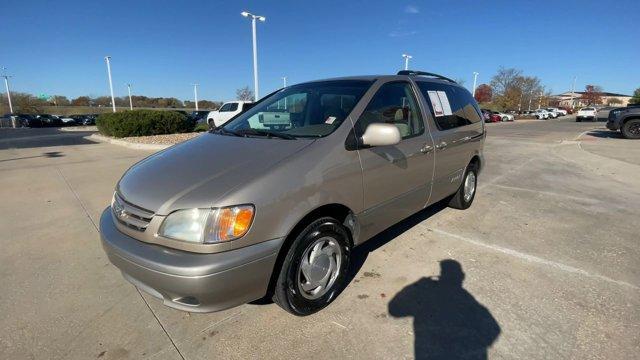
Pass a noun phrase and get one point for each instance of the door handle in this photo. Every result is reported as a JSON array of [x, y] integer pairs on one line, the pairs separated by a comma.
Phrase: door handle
[[443, 145], [462, 140], [426, 149]]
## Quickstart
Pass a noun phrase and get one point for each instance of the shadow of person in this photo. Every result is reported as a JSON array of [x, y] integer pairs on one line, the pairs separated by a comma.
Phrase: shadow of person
[[448, 322]]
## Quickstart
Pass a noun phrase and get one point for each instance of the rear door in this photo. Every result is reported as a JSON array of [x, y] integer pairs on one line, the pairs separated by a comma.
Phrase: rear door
[[457, 132]]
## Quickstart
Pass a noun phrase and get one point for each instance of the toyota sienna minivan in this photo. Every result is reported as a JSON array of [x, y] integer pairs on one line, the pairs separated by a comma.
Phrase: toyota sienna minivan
[[271, 204]]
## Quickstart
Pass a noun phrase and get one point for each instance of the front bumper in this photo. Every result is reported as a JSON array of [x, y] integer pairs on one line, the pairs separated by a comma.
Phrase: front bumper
[[191, 281], [612, 125]]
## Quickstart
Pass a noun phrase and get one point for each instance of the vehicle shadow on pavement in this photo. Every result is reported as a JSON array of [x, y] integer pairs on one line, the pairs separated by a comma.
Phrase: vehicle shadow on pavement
[[607, 134], [448, 322], [50, 154]]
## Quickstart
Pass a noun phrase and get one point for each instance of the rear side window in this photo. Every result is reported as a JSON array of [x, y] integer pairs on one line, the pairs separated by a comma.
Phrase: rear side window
[[394, 103], [451, 106]]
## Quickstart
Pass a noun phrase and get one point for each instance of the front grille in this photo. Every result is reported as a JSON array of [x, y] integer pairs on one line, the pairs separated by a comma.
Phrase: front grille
[[130, 215]]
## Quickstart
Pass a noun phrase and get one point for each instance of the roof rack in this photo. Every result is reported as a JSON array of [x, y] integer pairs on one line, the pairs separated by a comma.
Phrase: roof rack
[[424, 73]]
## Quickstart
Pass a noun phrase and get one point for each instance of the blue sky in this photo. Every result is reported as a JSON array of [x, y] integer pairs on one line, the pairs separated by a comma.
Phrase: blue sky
[[161, 47]]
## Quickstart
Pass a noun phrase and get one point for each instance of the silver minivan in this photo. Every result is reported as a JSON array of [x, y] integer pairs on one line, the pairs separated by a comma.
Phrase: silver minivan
[[271, 204]]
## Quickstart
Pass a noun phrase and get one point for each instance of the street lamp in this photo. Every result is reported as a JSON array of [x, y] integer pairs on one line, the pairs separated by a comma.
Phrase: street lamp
[[406, 60], [113, 100], [475, 77], [255, 49], [195, 94], [6, 85], [130, 101], [284, 85]]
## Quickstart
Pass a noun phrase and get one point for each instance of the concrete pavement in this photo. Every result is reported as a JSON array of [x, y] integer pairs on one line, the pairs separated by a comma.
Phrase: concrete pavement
[[549, 254]]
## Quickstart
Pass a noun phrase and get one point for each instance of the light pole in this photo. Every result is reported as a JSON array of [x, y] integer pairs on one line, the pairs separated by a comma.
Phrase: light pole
[[195, 94], [406, 60], [113, 100], [475, 77], [284, 85], [255, 50], [573, 90], [6, 85], [130, 101]]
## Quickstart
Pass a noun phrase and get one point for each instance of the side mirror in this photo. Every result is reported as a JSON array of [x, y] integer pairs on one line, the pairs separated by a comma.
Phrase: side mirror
[[378, 134]]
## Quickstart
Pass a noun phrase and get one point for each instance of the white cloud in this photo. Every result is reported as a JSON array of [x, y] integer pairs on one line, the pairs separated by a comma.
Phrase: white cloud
[[411, 9]]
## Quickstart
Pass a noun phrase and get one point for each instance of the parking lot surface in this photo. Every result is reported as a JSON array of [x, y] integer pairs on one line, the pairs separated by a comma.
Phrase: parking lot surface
[[543, 265]]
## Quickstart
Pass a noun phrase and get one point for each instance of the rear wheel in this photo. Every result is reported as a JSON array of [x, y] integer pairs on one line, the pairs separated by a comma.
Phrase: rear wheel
[[315, 268], [631, 129], [463, 198]]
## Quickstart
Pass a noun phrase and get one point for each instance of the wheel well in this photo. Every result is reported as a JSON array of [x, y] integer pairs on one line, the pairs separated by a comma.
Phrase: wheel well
[[630, 118], [475, 160], [337, 211]]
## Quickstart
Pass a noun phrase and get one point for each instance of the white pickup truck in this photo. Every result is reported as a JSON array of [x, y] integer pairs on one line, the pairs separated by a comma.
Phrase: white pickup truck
[[226, 112], [586, 113]]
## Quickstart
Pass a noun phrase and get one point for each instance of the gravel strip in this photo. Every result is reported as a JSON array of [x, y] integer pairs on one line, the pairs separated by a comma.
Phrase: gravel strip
[[168, 139]]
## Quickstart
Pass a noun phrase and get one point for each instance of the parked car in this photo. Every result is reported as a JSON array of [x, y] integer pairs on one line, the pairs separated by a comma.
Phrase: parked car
[[556, 112], [567, 109], [50, 120], [504, 116], [283, 200], [200, 116], [540, 114], [627, 120], [227, 111], [26, 120], [586, 113], [68, 120]]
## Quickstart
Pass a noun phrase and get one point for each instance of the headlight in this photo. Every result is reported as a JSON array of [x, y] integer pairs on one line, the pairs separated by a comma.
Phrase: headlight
[[207, 226]]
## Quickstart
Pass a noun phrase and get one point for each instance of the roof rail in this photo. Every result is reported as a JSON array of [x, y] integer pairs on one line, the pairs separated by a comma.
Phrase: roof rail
[[424, 73]]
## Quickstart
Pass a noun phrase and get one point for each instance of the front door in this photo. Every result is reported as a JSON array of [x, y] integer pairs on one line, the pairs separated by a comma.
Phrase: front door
[[396, 178]]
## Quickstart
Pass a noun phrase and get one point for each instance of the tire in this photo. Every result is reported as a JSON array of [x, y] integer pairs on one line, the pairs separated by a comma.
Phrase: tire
[[631, 129], [289, 292], [505, 119], [578, 120], [459, 200]]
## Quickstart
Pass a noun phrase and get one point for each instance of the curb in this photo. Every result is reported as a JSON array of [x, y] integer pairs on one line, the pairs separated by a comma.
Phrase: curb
[[130, 145], [78, 128]]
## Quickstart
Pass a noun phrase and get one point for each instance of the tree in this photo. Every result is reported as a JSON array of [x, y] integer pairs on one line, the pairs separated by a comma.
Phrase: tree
[[592, 95], [635, 99], [81, 101], [507, 88], [244, 94], [59, 100], [484, 93], [27, 103]]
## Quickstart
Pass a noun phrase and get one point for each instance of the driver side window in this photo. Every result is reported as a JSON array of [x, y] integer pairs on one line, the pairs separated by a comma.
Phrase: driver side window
[[394, 103]]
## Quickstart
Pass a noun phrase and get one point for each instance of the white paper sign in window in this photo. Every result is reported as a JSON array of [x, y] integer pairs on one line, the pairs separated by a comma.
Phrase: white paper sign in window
[[444, 100], [435, 102]]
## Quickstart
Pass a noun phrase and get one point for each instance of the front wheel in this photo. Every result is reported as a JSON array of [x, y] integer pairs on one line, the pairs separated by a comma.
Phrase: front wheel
[[315, 268], [463, 198], [631, 129]]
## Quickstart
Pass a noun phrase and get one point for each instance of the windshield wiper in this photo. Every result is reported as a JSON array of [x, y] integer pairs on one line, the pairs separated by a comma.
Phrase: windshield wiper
[[222, 130], [267, 133]]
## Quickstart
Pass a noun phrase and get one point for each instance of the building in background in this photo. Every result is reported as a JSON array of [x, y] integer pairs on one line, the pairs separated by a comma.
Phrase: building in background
[[606, 98]]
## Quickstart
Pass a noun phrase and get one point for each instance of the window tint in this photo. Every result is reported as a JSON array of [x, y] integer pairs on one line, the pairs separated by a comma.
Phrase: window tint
[[233, 107], [225, 107], [451, 106], [394, 103]]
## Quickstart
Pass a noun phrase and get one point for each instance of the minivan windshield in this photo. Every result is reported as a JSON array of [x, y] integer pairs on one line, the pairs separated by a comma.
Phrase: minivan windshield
[[312, 109]]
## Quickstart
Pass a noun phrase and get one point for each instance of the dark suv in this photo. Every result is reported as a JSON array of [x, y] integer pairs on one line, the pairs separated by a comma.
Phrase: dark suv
[[627, 120]]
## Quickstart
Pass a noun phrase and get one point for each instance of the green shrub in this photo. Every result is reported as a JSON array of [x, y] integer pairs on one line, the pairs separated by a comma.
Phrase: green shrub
[[143, 123], [201, 127]]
